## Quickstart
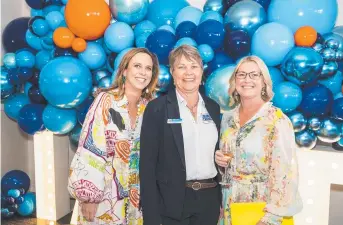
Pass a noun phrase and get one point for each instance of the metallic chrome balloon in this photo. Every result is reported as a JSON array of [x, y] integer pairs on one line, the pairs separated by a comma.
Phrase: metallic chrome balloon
[[214, 5], [329, 131], [130, 12], [245, 15], [328, 54], [306, 139], [302, 65], [217, 85], [332, 43], [336, 37], [338, 30], [6, 87], [99, 74], [318, 47], [94, 90], [313, 123], [298, 120], [105, 82], [329, 69], [339, 55], [338, 145], [164, 79]]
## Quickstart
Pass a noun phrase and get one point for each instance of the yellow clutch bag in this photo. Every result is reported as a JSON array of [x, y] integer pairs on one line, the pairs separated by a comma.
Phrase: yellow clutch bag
[[249, 213]]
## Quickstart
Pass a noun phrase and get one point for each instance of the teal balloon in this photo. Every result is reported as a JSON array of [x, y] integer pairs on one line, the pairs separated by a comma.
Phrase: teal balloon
[[14, 104], [6, 87], [188, 13], [329, 131], [9, 60], [217, 85], [319, 14], [130, 12], [287, 96], [334, 84], [206, 52], [306, 139], [59, 121], [141, 40]]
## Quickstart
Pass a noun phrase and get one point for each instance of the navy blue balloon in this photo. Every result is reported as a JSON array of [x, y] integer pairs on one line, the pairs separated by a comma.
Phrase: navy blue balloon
[[74, 135], [14, 34], [30, 118], [210, 32], [13, 77], [329, 131], [110, 61], [237, 43], [161, 42], [58, 52], [35, 95], [15, 179], [35, 4], [81, 110], [298, 120], [51, 2], [320, 39], [220, 59], [186, 29], [337, 109], [230, 3], [19, 200], [25, 73], [317, 100], [35, 77], [306, 139]]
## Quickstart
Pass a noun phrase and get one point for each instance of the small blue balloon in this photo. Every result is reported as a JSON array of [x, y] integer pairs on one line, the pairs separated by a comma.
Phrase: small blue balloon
[[189, 13], [42, 58], [9, 60], [54, 19], [15, 179], [337, 109], [74, 135], [328, 70], [33, 41], [144, 26], [36, 96], [105, 82], [186, 29], [328, 54], [329, 131], [334, 84], [59, 121], [298, 120], [164, 78], [13, 36], [119, 36], [7, 88], [220, 59], [210, 32], [206, 52], [26, 208], [161, 42], [168, 28], [186, 41], [339, 55], [287, 96], [306, 139], [237, 43], [51, 8], [94, 56], [211, 15], [25, 59], [214, 5], [14, 103], [15, 193], [39, 27], [313, 123], [30, 118]]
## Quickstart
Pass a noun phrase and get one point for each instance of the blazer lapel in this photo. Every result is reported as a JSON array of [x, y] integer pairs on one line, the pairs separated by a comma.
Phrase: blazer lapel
[[173, 112]]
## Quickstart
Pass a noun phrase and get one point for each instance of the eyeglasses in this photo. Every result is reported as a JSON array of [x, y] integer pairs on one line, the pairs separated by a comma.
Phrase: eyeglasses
[[253, 75]]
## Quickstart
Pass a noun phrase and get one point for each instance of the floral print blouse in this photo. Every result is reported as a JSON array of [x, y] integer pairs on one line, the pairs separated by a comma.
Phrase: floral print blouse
[[264, 165], [104, 169]]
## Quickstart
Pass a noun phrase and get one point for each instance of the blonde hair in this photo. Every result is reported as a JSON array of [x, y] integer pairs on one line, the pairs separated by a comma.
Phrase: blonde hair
[[234, 97], [189, 52], [148, 92]]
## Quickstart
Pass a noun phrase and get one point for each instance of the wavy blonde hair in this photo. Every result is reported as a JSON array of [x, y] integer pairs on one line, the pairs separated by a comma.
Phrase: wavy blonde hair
[[149, 91], [268, 84]]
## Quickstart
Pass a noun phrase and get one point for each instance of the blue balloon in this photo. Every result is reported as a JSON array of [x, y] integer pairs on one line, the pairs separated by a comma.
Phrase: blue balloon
[[306, 139], [276, 76], [186, 29], [141, 40], [15, 193], [328, 70], [164, 78], [186, 41], [298, 120], [167, 28], [338, 39], [20, 75], [105, 82], [339, 55], [287, 96], [19, 200], [119, 36], [27, 87], [99, 74], [313, 123], [94, 56], [130, 12], [35, 77], [317, 100], [36, 12], [339, 95], [58, 52], [334, 84], [206, 52], [13, 36], [6, 87], [217, 86], [65, 82], [42, 58], [51, 8], [120, 57], [245, 15], [328, 54], [161, 42], [36, 96], [214, 5], [188, 13], [59, 121], [220, 59], [162, 12], [271, 42], [302, 65], [55, 19], [33, 41], [35, 4], [48, 39], [211, 15], [81, 110], [144, 26], [25, 59], [39, 26], [321, 15], [337, 109], [15, 179], [74, 135], [9, 60], [329, 131], [14, 103], [26, 208], [30, 118], [210, 32], [237, 43]]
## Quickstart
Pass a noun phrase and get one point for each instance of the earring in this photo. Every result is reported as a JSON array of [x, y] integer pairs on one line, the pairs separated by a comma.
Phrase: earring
[[147, 90], [235, 93], [263, 92], [123, 79]]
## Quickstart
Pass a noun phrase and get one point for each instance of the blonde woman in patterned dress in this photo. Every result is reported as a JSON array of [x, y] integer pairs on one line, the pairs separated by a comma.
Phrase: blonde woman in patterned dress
[[260, 138], [104, 174]]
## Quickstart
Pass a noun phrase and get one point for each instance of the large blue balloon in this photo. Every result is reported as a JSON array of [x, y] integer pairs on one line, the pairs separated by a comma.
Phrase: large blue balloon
[[30, 118], [298, 120], [119, 36], [65, 82], [162, 12], [287, 96], [14, 103], [337, 109], [271, 42], [333, 83], [237, 43], [186, 29], [217, 86], [302, 65], [6, 87], [245, 15], [164, 78], [306, 139], [210, 32], [59, 121], [161, 42], [329, 131], [130, 12], [319, 14], [220, 59], [188, 13], [14, 34], [27, 207], [94, 56], [15, 179], [317, 100]]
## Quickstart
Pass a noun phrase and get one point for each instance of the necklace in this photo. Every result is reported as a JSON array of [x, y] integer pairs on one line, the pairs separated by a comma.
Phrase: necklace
[[193, 108]]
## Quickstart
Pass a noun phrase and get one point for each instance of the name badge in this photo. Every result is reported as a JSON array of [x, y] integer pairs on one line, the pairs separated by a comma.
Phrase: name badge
[[206, 118], [174, 121]]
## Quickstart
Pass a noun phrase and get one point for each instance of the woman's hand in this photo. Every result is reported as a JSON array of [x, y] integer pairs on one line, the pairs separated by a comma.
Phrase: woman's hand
[[89, 210], [221, 160]]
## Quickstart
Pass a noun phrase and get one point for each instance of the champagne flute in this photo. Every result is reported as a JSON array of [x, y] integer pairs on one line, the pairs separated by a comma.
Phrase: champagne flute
[[228, 156]]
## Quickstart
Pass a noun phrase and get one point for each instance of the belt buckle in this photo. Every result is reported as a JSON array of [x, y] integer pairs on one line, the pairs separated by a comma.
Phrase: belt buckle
[[196, 186]]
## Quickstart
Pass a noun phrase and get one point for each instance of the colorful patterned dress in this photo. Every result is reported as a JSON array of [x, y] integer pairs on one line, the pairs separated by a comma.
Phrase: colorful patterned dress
[[105, 167], [264, 165]]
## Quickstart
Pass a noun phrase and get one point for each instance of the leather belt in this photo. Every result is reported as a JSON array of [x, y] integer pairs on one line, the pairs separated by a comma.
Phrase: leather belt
[[201, 184]]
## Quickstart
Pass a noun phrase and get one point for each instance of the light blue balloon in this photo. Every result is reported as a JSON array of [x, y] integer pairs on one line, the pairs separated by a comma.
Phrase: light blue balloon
[[59, 121], [141, 40], [120, 57], [217, 85], [65, 2], [42, 58], [40, 27], [9, 60], [168, 28], [164, 78], [188, 13], [94, 56], [36, 12], [33, 41], [211, 15], [298, 121], [27, 207], [51, 8], [214, 5], [306, 139], [63, 8], [6, 87], [333, 83], [287, 96], [14, 104], [54, 19], [119, 36], [25, 59], [65, 82], [185, 41], [130, 12], [319, 14], [144, 26], [271, 42], [276, 76], [27, 87], [206, 52]]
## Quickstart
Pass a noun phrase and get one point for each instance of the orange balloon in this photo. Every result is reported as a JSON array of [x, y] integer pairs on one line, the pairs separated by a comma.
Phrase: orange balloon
[[79, 45], [305, 36], [87, 19], [63, 37]]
